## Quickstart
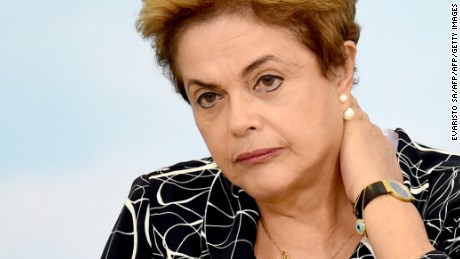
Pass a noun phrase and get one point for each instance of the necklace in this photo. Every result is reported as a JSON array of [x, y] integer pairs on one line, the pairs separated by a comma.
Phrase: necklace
[[285, 255]]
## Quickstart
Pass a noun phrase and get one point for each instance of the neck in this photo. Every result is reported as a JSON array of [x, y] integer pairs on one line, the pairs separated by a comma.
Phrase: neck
[[305, 220], [323, 198]]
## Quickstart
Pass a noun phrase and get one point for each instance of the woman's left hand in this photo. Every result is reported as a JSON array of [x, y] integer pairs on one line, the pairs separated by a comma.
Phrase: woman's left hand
[[366, 155]]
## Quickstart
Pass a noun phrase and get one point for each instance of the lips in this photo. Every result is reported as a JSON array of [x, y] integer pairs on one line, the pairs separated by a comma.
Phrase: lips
[[258, 156]]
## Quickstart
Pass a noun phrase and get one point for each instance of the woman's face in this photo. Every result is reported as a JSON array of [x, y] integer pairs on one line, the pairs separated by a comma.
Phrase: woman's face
[[271, 120]]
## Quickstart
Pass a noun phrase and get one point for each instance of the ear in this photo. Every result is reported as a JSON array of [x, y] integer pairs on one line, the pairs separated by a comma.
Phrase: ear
[[346, 72]]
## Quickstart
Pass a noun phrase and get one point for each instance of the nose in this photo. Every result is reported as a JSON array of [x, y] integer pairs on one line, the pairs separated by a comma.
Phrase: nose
[[245, 116]]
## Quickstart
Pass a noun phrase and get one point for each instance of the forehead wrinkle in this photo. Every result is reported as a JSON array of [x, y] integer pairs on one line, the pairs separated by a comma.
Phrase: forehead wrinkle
[[225, 48]]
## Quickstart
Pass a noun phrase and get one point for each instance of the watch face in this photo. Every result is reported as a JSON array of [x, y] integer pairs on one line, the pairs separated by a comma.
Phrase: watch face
[[400, 190]]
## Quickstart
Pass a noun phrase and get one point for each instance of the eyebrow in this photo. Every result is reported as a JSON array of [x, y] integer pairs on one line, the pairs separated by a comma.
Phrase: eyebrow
[[257, 63], [248, 69], [201, 83]]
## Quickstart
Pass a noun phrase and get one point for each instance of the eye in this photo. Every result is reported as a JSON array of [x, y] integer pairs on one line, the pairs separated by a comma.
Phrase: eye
[[268, 83], [208, 99]]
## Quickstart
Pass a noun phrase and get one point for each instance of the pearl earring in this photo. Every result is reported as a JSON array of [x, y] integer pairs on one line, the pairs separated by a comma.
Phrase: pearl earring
[[349, 114], [343, 98]]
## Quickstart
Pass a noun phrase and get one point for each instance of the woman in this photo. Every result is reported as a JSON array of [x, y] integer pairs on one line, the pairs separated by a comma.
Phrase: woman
[[297, 168]]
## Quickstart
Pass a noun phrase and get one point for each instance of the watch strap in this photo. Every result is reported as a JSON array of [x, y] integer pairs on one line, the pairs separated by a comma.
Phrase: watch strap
[[373, 191], [377, 189]]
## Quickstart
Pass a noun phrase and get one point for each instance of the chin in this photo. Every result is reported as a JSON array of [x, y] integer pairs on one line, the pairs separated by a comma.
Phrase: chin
[[267, 188]]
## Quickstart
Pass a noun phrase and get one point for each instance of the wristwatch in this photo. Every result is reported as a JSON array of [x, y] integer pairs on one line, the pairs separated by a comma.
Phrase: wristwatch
[[374, 190]]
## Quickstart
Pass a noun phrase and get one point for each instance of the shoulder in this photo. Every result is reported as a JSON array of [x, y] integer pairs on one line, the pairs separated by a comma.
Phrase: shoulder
[[195, 169], [164, 212], [429, 159], [176, 182], [433, 177], [422, 164], [428, 171]]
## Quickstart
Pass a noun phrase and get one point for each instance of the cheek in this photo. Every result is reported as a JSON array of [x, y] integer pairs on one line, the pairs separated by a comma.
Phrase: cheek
[[314, 118]]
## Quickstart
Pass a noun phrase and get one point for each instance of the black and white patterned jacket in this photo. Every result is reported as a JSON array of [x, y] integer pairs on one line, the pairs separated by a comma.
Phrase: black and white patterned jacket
[[190, 210]]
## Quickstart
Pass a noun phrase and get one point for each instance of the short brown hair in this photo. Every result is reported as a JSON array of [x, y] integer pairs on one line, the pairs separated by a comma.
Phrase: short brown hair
[[320, 25]]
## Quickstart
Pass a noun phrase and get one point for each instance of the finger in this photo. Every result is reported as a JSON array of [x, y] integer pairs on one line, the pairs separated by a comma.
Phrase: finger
[[354, 103], [359, 113]]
